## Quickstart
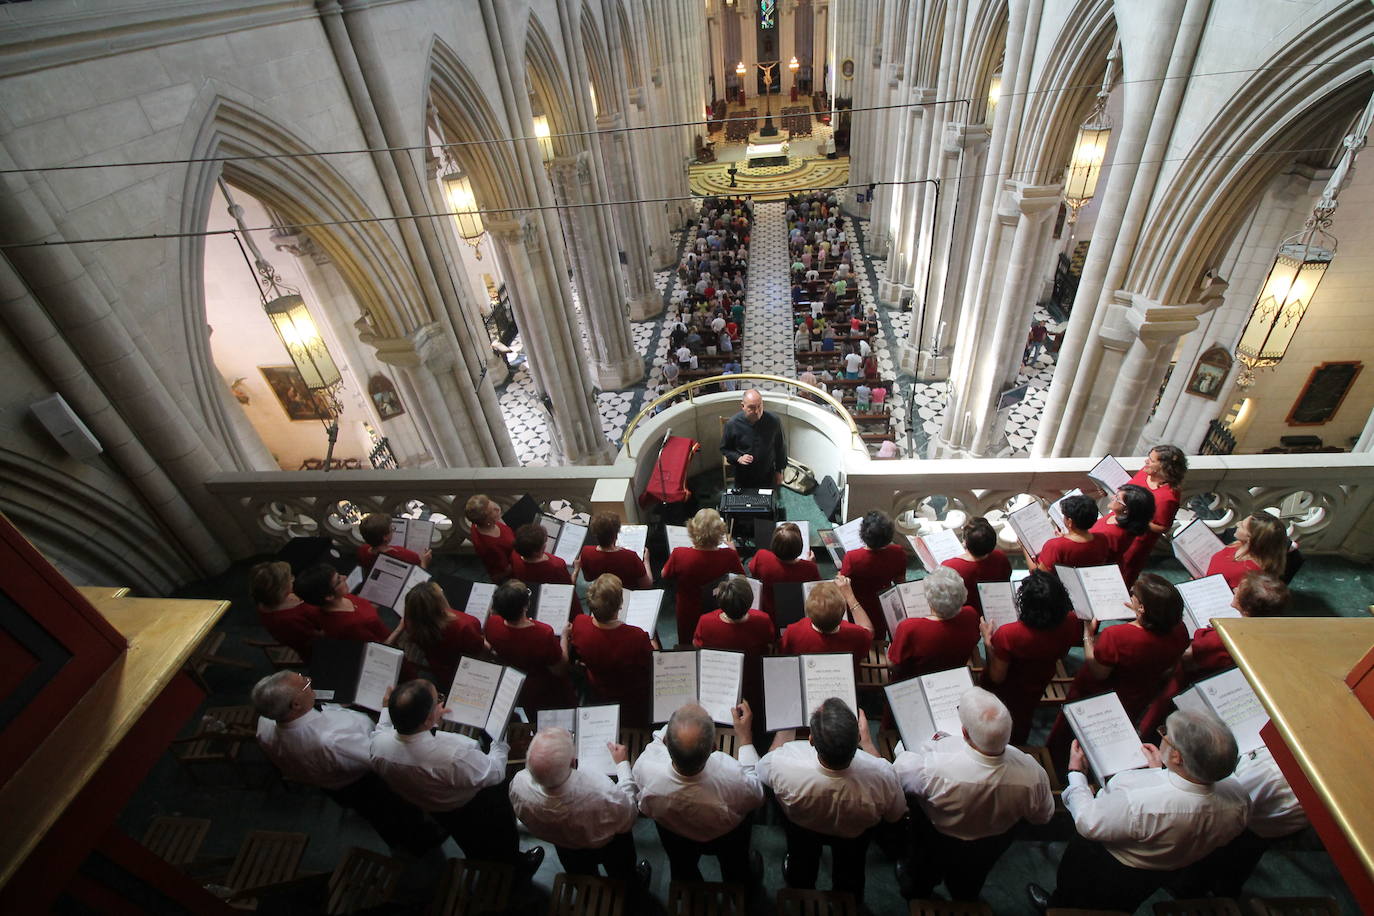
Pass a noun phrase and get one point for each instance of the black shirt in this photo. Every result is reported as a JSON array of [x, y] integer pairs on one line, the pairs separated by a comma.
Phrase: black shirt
[[763, 440]]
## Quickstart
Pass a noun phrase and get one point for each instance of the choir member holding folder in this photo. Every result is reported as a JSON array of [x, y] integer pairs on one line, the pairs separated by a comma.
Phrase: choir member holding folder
[[1078, 546], [342, 616], [1134, 658], [1129, 514], [531, 646], [824, 628], [606, 557], [782, 563], [289, 620], [1261, 546], [492, 539], [375, 530], [741, 629], [942, 639], [981, 561], [1163, 476], [618, 657], [530, 563], [875, 567], [690, 568], [443, 634], [1022, 654]]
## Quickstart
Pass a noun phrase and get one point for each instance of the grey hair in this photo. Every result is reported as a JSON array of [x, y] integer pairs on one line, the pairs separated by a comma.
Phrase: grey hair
[[550, 757], [693, 723], [1207, 746], [986, 720], [945, 592], [273, 694]]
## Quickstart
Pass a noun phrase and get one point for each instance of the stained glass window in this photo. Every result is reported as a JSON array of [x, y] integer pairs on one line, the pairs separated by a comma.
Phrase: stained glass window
[[768, 14]]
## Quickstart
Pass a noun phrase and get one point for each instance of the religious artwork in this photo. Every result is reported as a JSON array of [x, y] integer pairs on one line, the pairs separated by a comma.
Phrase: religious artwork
[[847, 69], [286, 383], [384, 397], [1210, 373], [1321, 397], [768, 14]]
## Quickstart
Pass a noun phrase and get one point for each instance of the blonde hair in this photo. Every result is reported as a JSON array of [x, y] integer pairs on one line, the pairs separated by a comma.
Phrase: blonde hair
[[1268, 543], [271, 582], [706, 528], [604, 597], [476, 508], [825, 606], [426, 614]]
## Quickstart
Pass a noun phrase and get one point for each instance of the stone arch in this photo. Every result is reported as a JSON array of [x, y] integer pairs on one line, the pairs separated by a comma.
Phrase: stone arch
[[598, 64], [932, 40], [633, 71], [988, 44], [551, 85], [473, 131], [1318, 79]]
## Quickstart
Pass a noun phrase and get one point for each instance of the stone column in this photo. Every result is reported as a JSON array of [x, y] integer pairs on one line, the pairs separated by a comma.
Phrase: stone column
[[787, 48], [550, 336], [820, 46], [908, 201], [644, 299]]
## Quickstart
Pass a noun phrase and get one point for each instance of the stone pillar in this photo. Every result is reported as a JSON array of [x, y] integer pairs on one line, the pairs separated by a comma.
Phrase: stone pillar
[[820, 46], [614, 361], [908, 201], [550, 336], [787, 48], [644, 299], [1135, 384]]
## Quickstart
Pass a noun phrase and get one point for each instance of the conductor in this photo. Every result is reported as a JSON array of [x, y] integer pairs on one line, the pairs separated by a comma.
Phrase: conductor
[[753, 443]]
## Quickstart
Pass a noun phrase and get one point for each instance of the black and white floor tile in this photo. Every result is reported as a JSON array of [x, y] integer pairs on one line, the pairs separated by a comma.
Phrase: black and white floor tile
[[768, 319]]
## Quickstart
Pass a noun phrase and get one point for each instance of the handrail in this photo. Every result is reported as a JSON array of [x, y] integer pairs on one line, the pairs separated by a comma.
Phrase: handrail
[[649, 408]]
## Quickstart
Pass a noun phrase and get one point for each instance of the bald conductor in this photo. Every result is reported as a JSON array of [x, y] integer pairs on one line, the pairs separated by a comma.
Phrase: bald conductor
[[753, 443]]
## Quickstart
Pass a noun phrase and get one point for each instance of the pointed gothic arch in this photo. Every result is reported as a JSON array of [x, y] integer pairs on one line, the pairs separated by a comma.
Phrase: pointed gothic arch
[[551, 86]]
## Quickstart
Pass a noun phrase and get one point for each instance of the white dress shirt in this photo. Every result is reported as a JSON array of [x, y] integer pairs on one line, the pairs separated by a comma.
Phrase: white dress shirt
[[435, 772], [969, 795], [325, 748], [701, 807], [1274, 809], [841, 803], [1156, 819], [586, 812]]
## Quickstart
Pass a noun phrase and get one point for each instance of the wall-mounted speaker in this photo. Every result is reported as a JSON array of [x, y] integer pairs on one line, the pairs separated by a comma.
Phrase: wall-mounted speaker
[[66, 427]]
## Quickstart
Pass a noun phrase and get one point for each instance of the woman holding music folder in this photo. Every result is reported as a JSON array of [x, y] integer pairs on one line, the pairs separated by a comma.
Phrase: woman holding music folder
[[443, 634], [782, 561], [491, 538], [282, 613], [618, 657], [875, 567], [981, 561], [342, 616], [1023, 653], [691, 568], [942, 639], [1129, 514], [1163, 476], [1132, 658], [531, 646], [605, 556], [1261, 546]]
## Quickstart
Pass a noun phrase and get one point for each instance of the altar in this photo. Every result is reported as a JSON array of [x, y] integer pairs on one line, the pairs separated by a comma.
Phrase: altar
[[766, 150]]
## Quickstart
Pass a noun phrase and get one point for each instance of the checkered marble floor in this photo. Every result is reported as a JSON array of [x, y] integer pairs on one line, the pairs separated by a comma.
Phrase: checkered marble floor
[[768, 320]]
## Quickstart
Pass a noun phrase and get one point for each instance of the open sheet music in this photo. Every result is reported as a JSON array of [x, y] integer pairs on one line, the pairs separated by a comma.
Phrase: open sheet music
[[796, 685], [1110, 475], [1056, 509], [591, 727], [472, 598], [354, 579], [928, 704], [348, 672], [1204, 600], [1230, 698], [634, 538], [709, 601], [640, 609], [1032, 526], [1097, 592], [1194, 546], [1106, 734], [999, 603], [390, 580], [678, 537], [903, 600], [831, 542], [569, 543], [848, 534], [935, 548], [710, 677], [551, 603], [483, 694], [412, 533]]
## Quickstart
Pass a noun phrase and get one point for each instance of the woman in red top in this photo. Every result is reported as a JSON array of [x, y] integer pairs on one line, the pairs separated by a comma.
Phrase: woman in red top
[[443, 634], [1024, 653], [875, 567], [375, 530], [1261, 546], [1129, 514], [529, 563], [824, 628], [944, 638], [606, 557], [1133, 659], [530, 646], [1163, 476], [288, 619], [618, 657], [782, 563], [342, 616], [491, 538], [1078, 546], [981, 561], [735, 627], [693, 567]]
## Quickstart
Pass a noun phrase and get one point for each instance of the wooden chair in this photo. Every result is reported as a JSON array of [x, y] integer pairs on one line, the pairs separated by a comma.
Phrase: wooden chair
[[362, 880], [470, 887], [266, 857], [278, 656], [222, 732], [727, 740], [795, 902], [1295, 906], [176, 840], [950, 908], [204, 656], [706, 898], [636, 740], [584, 895], [518, 736], [874, 671]]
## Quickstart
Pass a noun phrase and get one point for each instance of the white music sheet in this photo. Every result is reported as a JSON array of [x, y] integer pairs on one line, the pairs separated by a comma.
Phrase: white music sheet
[[565, 719], [999, 603], [907, 699], [1101, 591], [570, 542], [719, 676], [597, 725], [1056, 509], [675, 682], [935, 548], [390, 580], [1109, 474], [553, 604], [826, 676], [640, 609], [1105, 731], [412, 533], [1234, 701], [470, 696], [479, 601], [782, 692], [1194, 546], [1206, 599], [848, 534], [380, 668], [942, 692], [633, 537], [507, 693], [1032, 527]]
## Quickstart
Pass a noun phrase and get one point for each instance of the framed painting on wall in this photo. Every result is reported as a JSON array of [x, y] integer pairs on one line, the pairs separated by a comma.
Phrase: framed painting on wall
[[384, 397], [286, 383], [1321, 397], [1210, 372]]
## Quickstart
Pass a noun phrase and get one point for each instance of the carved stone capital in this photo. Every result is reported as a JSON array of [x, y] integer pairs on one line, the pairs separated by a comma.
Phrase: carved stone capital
[[960, 137]]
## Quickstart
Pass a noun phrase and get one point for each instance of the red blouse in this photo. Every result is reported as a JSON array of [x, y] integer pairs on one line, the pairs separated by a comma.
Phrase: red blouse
[[768, 569], [534, 650], [1167, 498], [691, 568], [622, 562], [494, 551], [361, 624], [801, 638], [1140, 662], [367, 555], [922, 645], [873, 572], [462, 636], [1030, 656], [296, 626], [752, 636], [1209, 653], [995, 567], [1224, 562], [1061, 551], [619, 665]]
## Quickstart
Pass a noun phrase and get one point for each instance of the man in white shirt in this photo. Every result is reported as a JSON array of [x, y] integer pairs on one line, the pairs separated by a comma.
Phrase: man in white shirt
[[327, 748], [586, 816], [700, 798], [1146, 825], [831, 795], [448, 776], [966, 794]]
